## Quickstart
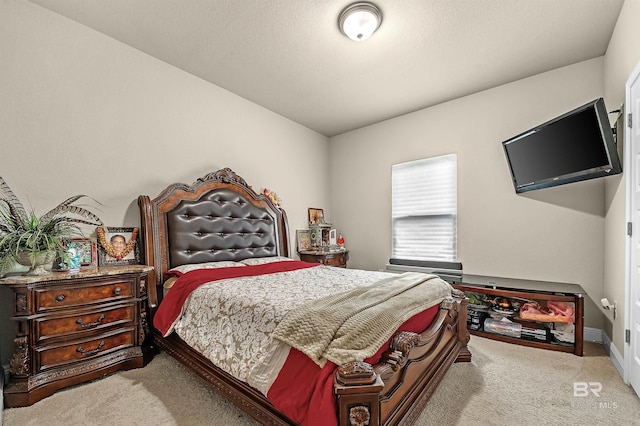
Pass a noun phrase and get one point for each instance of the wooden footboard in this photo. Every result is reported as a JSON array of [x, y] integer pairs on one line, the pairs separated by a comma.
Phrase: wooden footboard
[[392, 392], [396, 390]]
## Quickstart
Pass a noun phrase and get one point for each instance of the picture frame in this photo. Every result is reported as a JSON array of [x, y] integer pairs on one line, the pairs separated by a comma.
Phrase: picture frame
[[303, 239], [316, 216], [110, 244], [333, 237], [88, 250]]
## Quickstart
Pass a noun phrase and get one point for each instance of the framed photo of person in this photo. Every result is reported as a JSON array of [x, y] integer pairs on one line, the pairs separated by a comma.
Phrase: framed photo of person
[[118, 246]]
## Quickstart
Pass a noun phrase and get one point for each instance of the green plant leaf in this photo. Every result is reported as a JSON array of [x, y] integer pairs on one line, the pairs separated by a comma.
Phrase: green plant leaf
[[24, 231]]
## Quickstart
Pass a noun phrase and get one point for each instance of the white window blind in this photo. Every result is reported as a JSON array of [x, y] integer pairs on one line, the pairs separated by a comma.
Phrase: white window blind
[[424, 209]]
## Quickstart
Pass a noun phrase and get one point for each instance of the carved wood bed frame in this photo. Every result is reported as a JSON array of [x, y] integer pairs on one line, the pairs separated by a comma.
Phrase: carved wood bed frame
[[177, 227]]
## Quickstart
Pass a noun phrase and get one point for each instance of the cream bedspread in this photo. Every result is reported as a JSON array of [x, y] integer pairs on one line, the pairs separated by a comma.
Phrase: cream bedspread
[[231, 322]]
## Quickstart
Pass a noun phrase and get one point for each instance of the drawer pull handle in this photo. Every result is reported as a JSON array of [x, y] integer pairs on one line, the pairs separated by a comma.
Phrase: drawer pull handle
[[60, 297], [117, 290], [91, 324], [80, 349]]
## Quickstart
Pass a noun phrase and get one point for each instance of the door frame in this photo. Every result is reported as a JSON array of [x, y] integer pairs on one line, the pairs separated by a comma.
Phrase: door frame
[[628, 169]]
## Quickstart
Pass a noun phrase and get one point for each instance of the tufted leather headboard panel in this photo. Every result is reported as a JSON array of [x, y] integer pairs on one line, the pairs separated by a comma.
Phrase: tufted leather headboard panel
[[218, 217], [221, 225]]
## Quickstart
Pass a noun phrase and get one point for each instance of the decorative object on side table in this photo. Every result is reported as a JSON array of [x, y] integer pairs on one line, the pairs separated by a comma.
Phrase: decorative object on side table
[[303, 239], [118, 246], [33, 240], [77, 253], [319, 235], [322, 236], [69, 261], [90, 251], [316, 216]]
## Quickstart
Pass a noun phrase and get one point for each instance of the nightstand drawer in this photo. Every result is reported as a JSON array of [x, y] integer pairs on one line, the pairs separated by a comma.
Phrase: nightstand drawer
[[329, 258], [64, 297], [335, 260], [97, 319], [79, 350]]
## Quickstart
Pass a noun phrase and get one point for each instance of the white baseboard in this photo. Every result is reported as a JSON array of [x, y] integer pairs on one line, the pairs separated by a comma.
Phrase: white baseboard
[[616, 357], [599, 336], [592, 335]]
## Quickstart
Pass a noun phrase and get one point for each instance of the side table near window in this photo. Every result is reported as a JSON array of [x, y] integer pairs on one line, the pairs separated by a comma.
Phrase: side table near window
[[330, 258]]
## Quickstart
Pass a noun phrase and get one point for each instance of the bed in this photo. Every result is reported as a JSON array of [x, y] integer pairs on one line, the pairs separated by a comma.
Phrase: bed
[[220, 218]]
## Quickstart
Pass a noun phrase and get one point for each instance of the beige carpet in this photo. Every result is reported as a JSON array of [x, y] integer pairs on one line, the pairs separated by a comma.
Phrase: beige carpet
[[503, 385]]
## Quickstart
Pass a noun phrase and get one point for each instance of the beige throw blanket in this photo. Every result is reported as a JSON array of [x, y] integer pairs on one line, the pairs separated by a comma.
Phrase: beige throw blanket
[[351, 326]]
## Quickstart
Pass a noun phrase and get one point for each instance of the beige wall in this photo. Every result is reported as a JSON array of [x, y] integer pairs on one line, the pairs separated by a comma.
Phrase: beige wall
[[554, 234], [622, 56], [82, 113], [574, 233]]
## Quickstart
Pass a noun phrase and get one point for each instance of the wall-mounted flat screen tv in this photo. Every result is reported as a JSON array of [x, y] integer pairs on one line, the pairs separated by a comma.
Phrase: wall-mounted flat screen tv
[[575, 146]]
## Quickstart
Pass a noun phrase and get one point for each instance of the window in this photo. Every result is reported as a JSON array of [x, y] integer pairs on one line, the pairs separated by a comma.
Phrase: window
[[424, 209]]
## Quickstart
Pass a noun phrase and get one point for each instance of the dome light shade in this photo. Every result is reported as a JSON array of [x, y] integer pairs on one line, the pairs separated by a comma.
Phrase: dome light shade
[[360, 20]]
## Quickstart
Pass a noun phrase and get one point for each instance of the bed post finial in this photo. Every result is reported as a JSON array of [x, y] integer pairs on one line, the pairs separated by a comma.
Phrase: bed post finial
[[358, 389], [225, 175]]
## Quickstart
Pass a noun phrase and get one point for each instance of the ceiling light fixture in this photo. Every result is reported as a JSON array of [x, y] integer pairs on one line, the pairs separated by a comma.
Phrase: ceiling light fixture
[[360, 20]]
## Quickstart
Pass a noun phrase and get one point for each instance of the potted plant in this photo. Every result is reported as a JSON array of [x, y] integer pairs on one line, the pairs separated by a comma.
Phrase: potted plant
[[33, 240]]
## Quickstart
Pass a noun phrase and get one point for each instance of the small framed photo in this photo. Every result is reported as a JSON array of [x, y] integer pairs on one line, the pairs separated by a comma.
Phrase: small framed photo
[[79, 252], [316, 216], [304, 241], [333, 237], [118, 246], [88, 248]]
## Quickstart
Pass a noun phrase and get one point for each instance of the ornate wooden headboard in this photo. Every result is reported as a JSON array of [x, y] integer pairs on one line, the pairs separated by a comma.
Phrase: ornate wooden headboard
[[219, 217]]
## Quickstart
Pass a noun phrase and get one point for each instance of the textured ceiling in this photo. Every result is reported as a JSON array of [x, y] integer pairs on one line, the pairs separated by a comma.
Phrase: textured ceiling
[[290, 57]]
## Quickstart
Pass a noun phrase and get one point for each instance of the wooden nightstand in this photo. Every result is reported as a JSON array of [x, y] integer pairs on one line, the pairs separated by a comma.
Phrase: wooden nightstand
[[71, 328], [330, 258]]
